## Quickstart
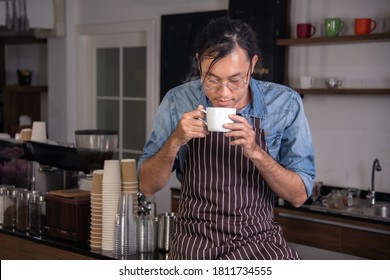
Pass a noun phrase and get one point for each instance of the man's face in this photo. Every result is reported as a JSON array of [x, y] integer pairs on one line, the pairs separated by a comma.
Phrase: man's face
[[233, 69]]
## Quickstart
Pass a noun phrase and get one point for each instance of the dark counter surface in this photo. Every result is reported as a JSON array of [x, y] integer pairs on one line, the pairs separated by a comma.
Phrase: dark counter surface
[[81, 248]]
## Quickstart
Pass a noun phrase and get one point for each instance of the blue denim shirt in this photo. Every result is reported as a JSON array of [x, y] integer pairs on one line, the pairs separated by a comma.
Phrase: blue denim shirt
[[286, 129]]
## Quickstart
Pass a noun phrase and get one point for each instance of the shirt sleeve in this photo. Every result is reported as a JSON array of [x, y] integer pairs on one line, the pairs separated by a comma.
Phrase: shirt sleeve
[[296, 149], [163, 126]]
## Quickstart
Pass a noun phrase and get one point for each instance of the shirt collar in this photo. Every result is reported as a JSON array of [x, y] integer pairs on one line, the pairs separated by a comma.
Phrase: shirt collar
[[257, 107]]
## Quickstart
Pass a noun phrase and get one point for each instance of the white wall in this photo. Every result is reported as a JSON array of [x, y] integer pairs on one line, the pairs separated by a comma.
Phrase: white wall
[[348, 131]]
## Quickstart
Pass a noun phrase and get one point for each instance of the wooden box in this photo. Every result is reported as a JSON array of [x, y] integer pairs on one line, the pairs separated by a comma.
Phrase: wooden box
[[68, 215]]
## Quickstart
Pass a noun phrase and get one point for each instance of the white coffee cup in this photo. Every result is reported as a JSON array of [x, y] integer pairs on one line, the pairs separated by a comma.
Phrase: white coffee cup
[[217, 117], [306, 81], [38, 132]]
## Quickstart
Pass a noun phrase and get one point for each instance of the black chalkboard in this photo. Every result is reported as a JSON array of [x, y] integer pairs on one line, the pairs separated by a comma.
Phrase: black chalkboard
[[178, 36], [268, 18]]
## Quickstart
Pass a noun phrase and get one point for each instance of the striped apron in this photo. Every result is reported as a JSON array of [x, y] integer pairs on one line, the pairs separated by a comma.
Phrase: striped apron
[[226, 208]]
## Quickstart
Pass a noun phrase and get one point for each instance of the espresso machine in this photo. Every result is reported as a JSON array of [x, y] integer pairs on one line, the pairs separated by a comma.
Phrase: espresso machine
[[39, 166], [54, 166], [54, 170]]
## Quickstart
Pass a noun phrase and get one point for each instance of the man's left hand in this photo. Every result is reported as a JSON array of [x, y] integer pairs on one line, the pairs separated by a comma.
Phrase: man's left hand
[[243, 135]]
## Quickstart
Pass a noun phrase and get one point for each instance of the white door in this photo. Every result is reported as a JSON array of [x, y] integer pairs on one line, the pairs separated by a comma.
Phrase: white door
[[118, 80]]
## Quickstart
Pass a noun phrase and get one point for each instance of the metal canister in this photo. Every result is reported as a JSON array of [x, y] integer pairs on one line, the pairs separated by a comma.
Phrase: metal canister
[[145, 233], [165, 231]]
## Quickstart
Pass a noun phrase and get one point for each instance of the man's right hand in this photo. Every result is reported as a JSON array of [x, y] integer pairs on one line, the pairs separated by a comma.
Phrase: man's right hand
[[155, 171], [190, 126]]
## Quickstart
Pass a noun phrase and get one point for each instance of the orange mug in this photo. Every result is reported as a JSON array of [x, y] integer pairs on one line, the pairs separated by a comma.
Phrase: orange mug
[[364, 25]]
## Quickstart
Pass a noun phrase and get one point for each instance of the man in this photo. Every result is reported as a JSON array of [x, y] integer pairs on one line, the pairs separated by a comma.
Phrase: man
[[229, 179]]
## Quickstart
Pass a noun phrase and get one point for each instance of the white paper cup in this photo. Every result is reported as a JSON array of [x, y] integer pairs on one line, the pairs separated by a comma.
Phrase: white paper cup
[[217, 117], [112, 172], [38, 132]]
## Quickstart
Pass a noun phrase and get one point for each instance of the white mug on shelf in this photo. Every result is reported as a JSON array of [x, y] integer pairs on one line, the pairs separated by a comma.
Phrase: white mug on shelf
[[306, 81]]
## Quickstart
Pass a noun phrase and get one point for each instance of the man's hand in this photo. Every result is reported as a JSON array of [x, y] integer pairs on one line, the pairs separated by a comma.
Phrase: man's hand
[[243, 135], [190, 126]]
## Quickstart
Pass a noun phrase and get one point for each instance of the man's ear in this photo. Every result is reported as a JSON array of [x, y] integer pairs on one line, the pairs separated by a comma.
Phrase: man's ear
[[198, 63], [255, 58]]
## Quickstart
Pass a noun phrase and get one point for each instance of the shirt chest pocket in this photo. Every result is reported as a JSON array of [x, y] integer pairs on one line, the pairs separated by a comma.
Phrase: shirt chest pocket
[[273, 140]]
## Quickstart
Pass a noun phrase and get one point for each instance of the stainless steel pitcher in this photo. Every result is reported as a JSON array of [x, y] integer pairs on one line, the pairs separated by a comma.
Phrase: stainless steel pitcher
[[165, 231]]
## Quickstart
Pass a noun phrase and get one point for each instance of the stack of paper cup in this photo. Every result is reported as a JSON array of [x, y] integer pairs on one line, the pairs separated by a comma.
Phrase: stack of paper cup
[[38, 132], [111, 190], [96, 210], [130, 179]]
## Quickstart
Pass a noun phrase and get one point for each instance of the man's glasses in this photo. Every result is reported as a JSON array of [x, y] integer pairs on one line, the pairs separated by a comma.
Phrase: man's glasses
[[233, 84]]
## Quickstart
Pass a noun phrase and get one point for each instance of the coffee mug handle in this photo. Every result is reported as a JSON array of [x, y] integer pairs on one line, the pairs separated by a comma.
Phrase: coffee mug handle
[[313, 30], [374, 26], [204, 111], [341, 26]]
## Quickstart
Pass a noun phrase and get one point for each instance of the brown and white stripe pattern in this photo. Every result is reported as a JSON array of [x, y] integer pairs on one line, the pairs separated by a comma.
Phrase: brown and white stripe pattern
[[226, 208]]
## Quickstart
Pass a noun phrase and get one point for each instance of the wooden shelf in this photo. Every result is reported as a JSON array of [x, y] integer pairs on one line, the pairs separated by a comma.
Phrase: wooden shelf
[[12, 38], [334, 40], [25, 89], [344, 91]]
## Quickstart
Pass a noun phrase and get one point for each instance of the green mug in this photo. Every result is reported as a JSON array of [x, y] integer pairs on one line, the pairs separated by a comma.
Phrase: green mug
[[333, 26]]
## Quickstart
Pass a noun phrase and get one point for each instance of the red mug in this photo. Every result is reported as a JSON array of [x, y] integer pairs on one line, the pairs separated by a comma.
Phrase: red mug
[[305, 30], [364, 25]]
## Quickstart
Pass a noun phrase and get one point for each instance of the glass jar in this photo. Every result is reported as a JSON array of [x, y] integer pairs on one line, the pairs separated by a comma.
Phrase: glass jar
[[22, 200], [2, 199], [10, 208], [37, 214], [333, 200]]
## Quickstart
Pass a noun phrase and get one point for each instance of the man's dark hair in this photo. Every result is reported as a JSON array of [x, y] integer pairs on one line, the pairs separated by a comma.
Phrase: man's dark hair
[[221, 36]]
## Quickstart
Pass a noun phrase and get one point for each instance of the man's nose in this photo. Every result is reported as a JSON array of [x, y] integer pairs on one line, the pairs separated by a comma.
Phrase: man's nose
[[224, 90]]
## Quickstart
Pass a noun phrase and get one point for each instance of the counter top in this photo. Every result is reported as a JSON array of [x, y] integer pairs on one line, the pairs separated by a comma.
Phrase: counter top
[[62, 249], [346, 212], [378, 213], [353, 212]]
